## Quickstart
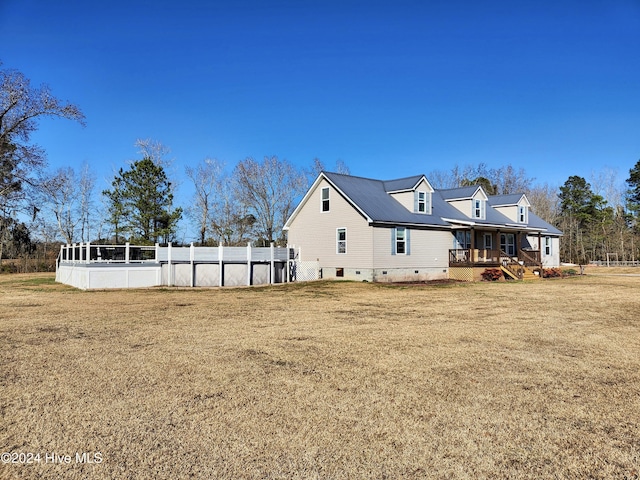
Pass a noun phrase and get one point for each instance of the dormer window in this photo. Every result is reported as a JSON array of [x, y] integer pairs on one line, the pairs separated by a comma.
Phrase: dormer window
[[422, 202], [522, 214], [478, 209]]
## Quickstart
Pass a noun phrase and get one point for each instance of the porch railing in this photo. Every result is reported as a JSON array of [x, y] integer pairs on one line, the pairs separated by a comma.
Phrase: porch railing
[[485, 256], [473, 256]]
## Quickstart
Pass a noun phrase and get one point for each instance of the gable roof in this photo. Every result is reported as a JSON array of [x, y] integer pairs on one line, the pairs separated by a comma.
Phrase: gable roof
[[372, 199], [403, 184], [506, 200], [461, 193]]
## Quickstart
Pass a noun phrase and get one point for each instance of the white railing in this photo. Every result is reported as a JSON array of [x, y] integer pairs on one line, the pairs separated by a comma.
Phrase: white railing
[[189, 266], [92, 253]]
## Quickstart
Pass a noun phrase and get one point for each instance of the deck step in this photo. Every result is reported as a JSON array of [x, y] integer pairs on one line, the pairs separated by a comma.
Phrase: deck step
[[527, 274]]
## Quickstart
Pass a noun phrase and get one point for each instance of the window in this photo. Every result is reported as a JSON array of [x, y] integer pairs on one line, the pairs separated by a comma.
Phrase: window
[[508, 243], [478, 209], [401, 241], [325, 199], [522, 214], [463, 239], [488, 241], [422, 202], [341, 238], [547, 246]]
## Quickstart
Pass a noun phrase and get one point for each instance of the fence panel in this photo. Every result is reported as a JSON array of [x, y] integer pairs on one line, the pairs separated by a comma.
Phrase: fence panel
[[304, 271]]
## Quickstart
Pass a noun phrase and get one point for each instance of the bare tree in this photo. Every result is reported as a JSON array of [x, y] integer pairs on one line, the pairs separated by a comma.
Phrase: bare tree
[[154, 150], [21, 105], [318, 166], [69, 198], [545, 202], [206, 179], [268, 189], [232, 221]]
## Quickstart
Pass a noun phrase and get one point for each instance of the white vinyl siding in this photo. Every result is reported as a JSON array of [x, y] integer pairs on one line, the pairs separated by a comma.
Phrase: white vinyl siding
[[315, 232], [427, 249], [410, 199]]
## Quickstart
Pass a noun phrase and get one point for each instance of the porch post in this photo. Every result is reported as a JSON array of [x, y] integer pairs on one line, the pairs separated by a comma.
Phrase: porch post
[[540, 248], [473, 255]]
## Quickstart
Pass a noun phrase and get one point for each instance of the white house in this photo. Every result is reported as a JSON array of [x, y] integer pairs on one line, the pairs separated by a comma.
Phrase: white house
[[405, 230]]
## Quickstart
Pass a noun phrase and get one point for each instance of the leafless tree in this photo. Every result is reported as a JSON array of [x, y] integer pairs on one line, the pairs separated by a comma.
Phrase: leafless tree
[[269, 190], [545, 202], [318, 166], [68, 197], [206, 177], [21, 106]]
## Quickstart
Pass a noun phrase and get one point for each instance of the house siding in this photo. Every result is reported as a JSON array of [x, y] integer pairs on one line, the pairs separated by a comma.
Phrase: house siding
[[463, 206], [428, 248], [511, 212], [407, 199], [316, 232], [548, 261]]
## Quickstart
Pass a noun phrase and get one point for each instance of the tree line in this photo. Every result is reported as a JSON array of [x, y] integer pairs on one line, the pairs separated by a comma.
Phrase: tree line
[[248, 203]]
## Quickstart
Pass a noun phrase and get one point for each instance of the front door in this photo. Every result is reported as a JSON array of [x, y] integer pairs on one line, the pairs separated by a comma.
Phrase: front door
[[508, 243]]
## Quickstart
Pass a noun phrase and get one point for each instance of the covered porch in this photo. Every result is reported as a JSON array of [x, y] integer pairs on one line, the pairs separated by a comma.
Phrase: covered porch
[[500, 248]]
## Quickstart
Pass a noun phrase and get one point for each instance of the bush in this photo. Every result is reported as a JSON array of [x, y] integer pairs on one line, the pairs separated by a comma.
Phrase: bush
[[552, 273], [569, 272], [491, 274]]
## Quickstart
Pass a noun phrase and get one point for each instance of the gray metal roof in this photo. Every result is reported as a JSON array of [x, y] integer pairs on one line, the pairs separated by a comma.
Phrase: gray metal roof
[[461, 193], [501, 200], [372, 198], [402, 184]]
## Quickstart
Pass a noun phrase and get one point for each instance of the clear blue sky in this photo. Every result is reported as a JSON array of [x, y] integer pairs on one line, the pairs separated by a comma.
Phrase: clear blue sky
[[392, 88]]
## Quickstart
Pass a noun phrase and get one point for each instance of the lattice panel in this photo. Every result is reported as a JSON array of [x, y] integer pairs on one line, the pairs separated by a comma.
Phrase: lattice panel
[[464, 274], [304, 271]]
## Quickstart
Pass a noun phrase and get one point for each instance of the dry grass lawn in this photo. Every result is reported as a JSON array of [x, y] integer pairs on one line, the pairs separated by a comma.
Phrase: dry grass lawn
[[323, 380]]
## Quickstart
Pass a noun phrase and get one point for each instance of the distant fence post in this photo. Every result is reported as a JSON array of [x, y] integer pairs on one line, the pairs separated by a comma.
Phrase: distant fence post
[[192, 254], [248, 263], [273, 265], [220, 267], [169, 268], [73, 252], [126, 252], [88, 257]]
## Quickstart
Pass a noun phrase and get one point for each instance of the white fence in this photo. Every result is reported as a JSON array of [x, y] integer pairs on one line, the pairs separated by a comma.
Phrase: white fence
[[89, 266]]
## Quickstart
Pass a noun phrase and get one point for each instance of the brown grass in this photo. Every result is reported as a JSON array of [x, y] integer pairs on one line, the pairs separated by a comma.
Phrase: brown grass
[[324, 380]]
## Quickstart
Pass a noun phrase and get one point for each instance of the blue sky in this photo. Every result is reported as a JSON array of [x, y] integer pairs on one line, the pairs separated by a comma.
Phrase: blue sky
[[392, 88]]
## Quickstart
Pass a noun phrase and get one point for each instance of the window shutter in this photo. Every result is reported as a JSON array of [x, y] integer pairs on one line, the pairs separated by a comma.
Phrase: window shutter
[[393, 241], [415, 201], [427, 207], [407, 239]]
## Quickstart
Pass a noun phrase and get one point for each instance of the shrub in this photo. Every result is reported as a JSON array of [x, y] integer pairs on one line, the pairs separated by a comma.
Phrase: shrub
[[491, 274], [569, 272], [552, 273]]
